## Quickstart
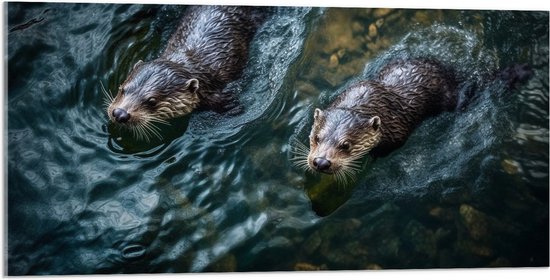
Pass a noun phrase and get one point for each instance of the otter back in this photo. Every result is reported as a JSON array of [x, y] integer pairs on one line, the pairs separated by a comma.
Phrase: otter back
[[208, 50], [214, 40], [377, 116], [414, 90]]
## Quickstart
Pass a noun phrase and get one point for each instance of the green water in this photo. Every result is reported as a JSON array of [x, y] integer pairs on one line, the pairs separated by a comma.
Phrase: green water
[[468, 189]]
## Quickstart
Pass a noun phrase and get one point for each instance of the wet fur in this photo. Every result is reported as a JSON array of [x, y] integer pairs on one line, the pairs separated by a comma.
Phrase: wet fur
[[414, 90], [377, 116], [211, 44], [208, 50]]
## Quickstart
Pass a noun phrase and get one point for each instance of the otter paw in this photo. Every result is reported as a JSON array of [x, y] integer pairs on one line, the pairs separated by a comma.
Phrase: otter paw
[[235, 110], [226, 103], [230, 106]]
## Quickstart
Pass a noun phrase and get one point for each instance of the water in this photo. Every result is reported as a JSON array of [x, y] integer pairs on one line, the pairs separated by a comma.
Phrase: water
[[468, 189]]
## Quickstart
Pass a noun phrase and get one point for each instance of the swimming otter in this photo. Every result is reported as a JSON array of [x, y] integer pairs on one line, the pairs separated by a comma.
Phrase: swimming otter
[[376, 116], [208, 50]]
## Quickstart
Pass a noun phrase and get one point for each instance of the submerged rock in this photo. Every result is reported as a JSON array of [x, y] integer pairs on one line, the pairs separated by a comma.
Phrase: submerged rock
[[500, 262], [228, 263], [312, 243], [307, 88], [373, 266], [382, 12], [373, 31], [379, 22], [302, 266], [333, 61], [354, 243], [357, 27], [442, 214], [475, 248], [511, 166], [476, 222], [423, 240]]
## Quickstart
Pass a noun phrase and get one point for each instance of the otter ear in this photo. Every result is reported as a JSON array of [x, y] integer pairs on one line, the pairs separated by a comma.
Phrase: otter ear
[[317, 114], [192, 85], [374, 122], [138, 63]]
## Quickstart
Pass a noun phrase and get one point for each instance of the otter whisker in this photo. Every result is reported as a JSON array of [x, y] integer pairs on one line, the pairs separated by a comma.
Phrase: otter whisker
[[341, 177], [107, 95], [300, 154], [152, 128], [360, 159], [146, 130], [299, 147], [135, 132], [302, 164], [158, 119], [106, 103], [353, 164], [300, 151], [105, 92], [140, 133], [348, 174], [338, 177], [351, 172], [356, 161]]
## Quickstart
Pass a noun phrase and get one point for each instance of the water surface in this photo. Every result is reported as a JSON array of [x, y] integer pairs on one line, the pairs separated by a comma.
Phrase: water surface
[[218, 193]]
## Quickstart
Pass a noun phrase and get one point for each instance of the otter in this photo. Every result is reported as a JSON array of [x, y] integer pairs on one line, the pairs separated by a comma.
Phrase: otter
[[376, 116], [208, 50]]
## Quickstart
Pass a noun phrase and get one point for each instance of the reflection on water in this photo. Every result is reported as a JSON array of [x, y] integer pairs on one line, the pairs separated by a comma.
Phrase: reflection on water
[[468, 189]]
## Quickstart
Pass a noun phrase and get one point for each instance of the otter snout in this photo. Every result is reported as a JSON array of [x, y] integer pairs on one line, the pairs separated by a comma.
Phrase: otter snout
[[321, 163], [121, 115]]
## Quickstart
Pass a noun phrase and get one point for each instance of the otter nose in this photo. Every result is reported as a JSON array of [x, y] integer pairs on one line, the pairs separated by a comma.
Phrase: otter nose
[[321, 163], [121, 115]]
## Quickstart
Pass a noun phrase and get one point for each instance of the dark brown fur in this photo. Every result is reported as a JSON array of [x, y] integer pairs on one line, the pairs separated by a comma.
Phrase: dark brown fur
[[377, 116], [211, 43], [208, 50]]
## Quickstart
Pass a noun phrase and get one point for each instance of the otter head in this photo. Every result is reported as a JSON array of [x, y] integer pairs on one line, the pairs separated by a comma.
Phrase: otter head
[[153, 93], [340, 137]]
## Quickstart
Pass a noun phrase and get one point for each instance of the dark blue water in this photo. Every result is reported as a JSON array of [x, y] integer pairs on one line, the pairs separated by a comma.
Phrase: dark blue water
[[219, 193]]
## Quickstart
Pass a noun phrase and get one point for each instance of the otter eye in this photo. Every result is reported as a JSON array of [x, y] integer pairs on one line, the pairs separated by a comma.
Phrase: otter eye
[[316, 139], [345, 146], [151, 101]]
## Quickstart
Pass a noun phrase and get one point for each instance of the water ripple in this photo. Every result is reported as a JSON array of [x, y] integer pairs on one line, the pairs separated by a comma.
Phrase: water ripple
[[218, 193]]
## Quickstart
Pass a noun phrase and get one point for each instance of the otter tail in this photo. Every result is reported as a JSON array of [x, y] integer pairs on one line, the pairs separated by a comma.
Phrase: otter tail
[[512, 77], [515, 75]]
